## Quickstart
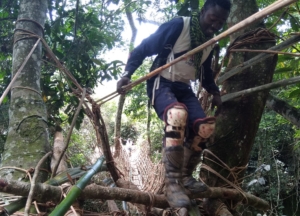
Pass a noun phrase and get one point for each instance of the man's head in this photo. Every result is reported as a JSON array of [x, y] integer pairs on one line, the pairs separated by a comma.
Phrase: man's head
[[214, 15]]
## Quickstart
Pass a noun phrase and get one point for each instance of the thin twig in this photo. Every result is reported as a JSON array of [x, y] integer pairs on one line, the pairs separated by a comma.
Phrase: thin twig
[[60, 66], [265, 51], [31, 192], [19, 169], [19, 71], [36, 207], [277, 21], [70, 131]]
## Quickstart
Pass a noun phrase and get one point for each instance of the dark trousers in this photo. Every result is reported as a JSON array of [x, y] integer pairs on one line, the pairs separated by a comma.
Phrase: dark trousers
[[173, 92]]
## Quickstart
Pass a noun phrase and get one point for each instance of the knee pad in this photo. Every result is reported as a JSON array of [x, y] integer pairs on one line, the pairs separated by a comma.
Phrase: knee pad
[[175, 117], [205, 127]]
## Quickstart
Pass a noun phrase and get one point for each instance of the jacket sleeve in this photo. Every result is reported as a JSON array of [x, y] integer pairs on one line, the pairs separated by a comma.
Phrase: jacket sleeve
[[208, 80], [165, 36]]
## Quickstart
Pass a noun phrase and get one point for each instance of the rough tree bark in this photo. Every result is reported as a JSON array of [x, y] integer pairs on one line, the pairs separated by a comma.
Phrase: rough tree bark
[[27, 139], [239, 119]]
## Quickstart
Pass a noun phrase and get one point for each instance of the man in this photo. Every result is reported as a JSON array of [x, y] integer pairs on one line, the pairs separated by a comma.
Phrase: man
[[186, 126]]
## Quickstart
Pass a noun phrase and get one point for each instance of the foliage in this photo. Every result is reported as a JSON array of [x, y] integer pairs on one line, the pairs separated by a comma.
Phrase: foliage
[[3, 126], [8, 16], [82, 148], [79, 37], [138, 107], [273, 175]]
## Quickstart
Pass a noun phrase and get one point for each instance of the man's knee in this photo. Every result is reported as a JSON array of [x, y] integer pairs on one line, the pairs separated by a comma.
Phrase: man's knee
[[205, 127], [175, 117]]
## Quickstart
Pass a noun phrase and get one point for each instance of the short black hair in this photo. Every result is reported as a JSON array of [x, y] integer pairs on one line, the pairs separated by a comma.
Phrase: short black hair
[[225, 4]]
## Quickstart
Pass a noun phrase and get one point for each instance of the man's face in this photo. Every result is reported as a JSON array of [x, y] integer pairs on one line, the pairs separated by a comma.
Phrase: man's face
[[212, 19]]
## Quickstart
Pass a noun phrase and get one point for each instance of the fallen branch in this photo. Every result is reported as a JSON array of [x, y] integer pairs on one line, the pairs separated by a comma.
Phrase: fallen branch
[[45, 193]]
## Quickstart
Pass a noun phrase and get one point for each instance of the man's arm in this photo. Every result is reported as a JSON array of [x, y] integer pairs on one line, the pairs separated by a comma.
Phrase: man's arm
[[166, 34], [210, 85], [208, 80]]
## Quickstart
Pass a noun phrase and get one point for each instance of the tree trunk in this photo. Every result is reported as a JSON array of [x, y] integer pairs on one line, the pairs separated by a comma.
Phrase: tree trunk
[[58, 147], [239, 119], [27, 139]]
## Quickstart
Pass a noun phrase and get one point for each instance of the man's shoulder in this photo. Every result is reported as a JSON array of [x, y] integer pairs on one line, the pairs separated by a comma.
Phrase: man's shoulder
[[178, 20]]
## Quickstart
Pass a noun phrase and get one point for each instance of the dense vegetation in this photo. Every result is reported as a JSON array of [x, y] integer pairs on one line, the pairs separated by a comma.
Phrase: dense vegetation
[[81, 33]]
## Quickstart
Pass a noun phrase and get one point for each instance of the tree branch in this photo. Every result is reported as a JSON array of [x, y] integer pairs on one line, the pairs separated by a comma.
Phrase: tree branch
[[258, 58], [277, 84], [44, 192], [289, 112], [265, 51]]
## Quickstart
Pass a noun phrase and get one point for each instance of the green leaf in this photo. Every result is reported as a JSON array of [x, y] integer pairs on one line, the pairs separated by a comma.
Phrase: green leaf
[[294, 24], [283, 58], [98, 61], [283, 70], [295, 93]]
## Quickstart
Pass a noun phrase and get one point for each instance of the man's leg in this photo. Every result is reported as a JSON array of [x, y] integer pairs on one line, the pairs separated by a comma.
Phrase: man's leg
[[174, 115], [200, 129]]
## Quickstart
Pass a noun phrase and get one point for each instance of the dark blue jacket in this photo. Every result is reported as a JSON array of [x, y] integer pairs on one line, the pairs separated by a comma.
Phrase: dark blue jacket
[[159, 44]]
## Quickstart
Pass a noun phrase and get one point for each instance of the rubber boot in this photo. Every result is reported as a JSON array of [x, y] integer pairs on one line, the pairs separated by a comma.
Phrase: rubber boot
[[191, 160], [173, 161]]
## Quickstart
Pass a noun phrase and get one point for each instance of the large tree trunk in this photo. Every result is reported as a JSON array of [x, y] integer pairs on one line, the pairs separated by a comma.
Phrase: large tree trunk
[[239, 119], [27, 139]]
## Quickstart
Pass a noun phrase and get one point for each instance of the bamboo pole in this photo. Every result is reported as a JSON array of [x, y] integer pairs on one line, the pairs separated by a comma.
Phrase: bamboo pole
[[75, 191], [244, 23]]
